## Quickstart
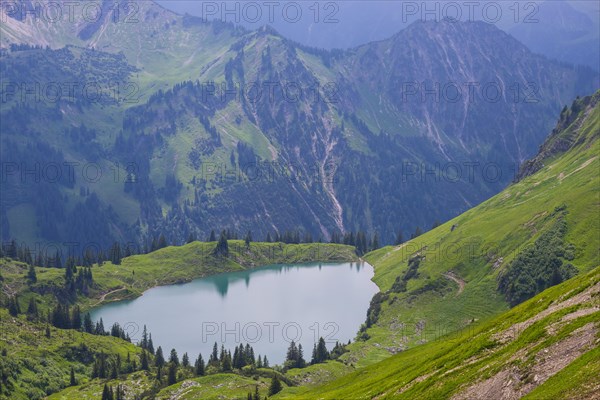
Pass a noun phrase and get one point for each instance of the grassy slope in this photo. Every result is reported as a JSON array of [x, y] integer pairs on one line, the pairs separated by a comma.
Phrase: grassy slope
[[167, 266], [442, 368], [217, 386], [42, 365], [485, 239]]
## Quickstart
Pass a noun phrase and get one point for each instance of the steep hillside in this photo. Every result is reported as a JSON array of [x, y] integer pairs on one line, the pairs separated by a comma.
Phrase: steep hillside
[[545, 348], [37, 359], [537, 232]]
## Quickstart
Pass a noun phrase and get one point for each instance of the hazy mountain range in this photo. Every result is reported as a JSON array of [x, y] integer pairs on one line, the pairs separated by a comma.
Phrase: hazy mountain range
[[206, 125]]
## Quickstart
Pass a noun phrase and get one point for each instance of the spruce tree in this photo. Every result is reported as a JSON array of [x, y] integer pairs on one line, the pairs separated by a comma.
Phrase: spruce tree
[[256, 394], [199, 366], [300, 362], [214, 357], [32, 310], [120, 394], [144, 341], [226, 363], [76, 318], [173, 357], [159, 359], [322, 353], [172, 376], [31, 276], [275, 386], [73, 381], [144, 361], [237, 358], [150, 345], [107, 393], [88, 326], [114, 372], [13, 306], [115, 253], [222, 248]]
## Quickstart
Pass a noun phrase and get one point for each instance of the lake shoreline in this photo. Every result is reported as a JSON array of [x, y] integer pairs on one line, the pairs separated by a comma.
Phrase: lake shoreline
[[278, 302], [188, 269]]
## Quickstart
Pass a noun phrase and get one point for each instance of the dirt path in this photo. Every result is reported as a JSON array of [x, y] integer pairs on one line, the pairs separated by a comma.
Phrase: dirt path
[[103, 297], [458, 280]]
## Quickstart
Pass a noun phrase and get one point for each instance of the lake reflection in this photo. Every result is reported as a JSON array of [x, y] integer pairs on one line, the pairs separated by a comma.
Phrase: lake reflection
[[266, 307]]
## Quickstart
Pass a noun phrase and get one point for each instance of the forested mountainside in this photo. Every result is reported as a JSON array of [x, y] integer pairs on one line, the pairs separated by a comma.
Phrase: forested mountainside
[[214, 127]]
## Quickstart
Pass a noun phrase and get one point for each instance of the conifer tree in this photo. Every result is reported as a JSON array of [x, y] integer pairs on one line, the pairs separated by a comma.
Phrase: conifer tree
[[13, 306], [144, 361], [31, 275], [320, 353], [172, 376], [300, 362], [173, 357], [144, 341], [159, 359], [275, 386], [222, 248], [76, 318], [32, 310], [256, 394], [226, 362], [88, 326], [199, 366], [107, 393], [214, 356]]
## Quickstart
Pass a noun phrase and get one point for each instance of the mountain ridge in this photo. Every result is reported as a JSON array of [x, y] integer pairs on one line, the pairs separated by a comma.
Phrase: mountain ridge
[[350, 126]]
